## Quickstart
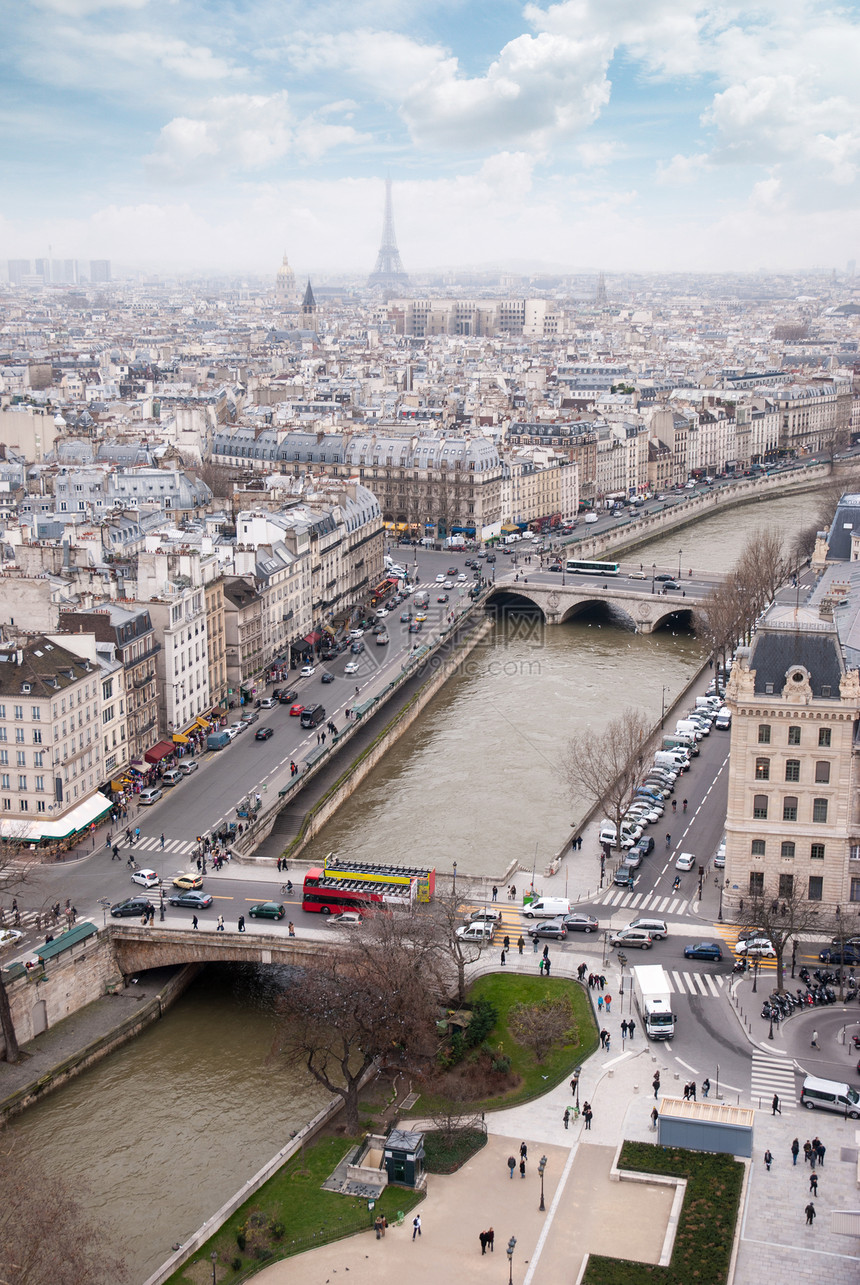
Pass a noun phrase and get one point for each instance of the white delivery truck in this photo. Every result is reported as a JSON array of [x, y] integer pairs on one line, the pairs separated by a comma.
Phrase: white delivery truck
[[652, 992]]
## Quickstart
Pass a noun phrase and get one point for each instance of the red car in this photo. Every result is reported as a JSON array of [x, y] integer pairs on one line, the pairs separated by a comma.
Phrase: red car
[[296, 710]]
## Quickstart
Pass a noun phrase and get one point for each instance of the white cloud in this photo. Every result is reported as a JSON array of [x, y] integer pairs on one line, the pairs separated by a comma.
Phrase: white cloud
[[683, 169], [83, 8], [387, 63], [77, 58]]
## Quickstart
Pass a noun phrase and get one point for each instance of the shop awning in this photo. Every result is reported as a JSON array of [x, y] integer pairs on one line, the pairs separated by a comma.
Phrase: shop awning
[[77, 818], [202, 723], [158, 752], [179, 739], [312, 638]]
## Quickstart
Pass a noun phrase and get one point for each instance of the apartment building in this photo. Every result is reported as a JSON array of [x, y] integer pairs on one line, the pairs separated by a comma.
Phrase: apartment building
[[51, 762], [243, 636], [171, 588]]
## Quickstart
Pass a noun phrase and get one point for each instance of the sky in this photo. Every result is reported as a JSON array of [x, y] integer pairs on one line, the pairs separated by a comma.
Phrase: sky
[[622, 135]]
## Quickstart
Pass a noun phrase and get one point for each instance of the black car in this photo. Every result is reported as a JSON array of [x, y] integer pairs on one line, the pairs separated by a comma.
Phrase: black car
[[835, 955], [357, 647], [191, 900], [670, 584], [263, 734], [664, 576], [131, 906], [555, 566], [328, 677], [288, 695]]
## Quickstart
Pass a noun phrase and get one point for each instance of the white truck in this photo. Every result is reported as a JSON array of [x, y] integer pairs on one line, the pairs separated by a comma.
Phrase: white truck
[[652, 991]]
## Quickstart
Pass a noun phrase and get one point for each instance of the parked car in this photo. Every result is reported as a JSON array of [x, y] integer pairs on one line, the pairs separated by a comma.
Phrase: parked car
[[308, 671], [267, 910], [172, 776], [268, 702], [838, 955], [150, 795], [188, 765], [146, 878], [191, 900], [554, 928], [704, 950], [346, 919], [631, 937], [263, 734], [132, 906], [187, 880]]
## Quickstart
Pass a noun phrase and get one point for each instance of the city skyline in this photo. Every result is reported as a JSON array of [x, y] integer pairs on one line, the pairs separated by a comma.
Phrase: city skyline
[[586, 134]]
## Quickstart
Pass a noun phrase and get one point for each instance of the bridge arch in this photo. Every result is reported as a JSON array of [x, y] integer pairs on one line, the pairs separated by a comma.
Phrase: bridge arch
[[506, 596], [682, 616], [607, 610]]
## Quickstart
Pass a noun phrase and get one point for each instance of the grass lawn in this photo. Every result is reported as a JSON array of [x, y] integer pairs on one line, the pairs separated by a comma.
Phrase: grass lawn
[[292, 1199], [504, 990]]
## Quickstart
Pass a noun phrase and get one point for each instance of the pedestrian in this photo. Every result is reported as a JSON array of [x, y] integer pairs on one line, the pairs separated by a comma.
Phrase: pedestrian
[[706, 1087], [512, 1164], [581, 971], [536, 945], [693, 1090], [807, 1150], [686, 1092], [775, 1108], [524, 1151], [162, 841], [814, 1041], [491, 1240], [602, 980], [219, 927], [566, 1117], [521, 943], [241, 923], [624, 1028], [591, 980], [151, 915], [655, 1116], [813, 1183], [541, 965], [795, 1150], [546, 964], [607, 1001], [194, 921], [606, 1041], [506, 942], [819, 1151], [668, 842], [503, 956], [631, 1027], [416, 1226], [810, 1214], [768, 1160], [656, 1084], [587, 1114], [291, 929], [483, 1239], [600, 1003], [546, 952], [522, 1168], [495, 892]]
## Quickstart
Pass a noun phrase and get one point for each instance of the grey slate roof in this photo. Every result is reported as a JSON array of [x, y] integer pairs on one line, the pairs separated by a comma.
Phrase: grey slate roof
[[776, 651], [845, 521]]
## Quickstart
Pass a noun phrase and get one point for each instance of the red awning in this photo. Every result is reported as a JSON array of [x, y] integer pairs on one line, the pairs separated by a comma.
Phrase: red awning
[[160, 751], [312, 638]]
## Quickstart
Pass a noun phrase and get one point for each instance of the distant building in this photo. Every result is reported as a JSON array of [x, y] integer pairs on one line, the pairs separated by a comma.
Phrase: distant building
[[285, 283], [99, 271]]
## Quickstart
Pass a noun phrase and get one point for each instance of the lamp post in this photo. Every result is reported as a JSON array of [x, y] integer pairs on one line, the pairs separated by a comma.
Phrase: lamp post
[[653, 574], [454, 890], [214, 1258], [680, 551], [512, 1244], [662, 705], [755, 975], [541, 1167], [574, 1083], [724, 883], [770, 1032]]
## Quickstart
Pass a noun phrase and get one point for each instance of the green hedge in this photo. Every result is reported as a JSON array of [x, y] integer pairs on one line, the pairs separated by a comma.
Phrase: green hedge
[[447, 1155], [706, 1227]]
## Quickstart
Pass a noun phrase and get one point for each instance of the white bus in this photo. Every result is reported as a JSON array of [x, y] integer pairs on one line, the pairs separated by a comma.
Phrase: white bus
[[588, 568]]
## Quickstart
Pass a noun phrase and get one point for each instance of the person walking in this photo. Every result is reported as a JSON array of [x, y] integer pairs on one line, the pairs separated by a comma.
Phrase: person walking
[[495, 892], [581, 971], [706, 1087], [241, 924], [491, 1240], [775, 1108], [521, 943], [506, 942], [655, 1116], [503, 957], [416, 1226], [600, 1003], [546, 966], [810, 1214], [607, 1001], [535, 944], [566, 1117], [693, 1090], [603, 1038], [768, 1160], [624, 1028], [524, 1151], [807, 1150], [219, 927], [194, 921], [522, 1168], [686, 1092], [668, 842], [655, 1084], [483, 1239], [540, 965], [819, 1150], [795, 1150], [587, 1114], [631, 1027], [512, 1164], [813, 1043], [602, 982], [606, 1043], [162, 841], [813, 1183]]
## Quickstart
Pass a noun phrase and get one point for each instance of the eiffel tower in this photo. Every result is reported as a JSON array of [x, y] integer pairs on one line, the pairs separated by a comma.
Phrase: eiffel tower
[[389, 271]]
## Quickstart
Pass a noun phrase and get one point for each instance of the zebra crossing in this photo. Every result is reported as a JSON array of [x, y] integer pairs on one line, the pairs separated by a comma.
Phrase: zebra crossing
[[773, 1073], [709, 985], [152, 843], [654, 901]]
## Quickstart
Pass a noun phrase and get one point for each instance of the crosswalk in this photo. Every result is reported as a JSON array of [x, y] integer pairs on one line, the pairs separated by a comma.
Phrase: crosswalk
[[772, 1073], [659, 904], [152, 843], [709, 985]]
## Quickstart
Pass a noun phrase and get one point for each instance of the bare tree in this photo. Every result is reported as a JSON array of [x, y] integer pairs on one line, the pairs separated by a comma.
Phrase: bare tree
[[781, 917], [366, 1003], [16, 866], [445, 914], [606, 766], [55, 1244], [543, 1026]]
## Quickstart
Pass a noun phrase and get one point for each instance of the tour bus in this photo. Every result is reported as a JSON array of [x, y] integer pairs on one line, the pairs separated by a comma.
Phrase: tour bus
[[330, 896], [595, 568]]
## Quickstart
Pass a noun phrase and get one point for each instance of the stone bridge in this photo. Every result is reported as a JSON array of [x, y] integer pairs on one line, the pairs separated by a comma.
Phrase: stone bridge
[[136, 949], [646, 611]]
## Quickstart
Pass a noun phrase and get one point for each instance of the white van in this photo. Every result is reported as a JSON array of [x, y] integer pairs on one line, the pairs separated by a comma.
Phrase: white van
[[830, 1095], [673, 759], [591, 517], [723, 721], [547, 908], [629, 834], [686, 725]]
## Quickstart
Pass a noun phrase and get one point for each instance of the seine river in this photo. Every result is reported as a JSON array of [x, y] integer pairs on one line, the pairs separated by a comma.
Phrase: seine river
[[171, 1125]]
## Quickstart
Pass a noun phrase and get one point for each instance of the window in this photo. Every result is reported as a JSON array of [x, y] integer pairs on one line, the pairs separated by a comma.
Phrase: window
[[758, 847], [787, 850], [816, 888], [36, 713], [757, 883], [764, 733], [854, 894], [4, 781], [762, 769], [786, 885], [38, 756], [822, 772], [816, 852], [19, 735], [22, 782], [40, 783], [41, 805], [23, 805], [4, 758], [792, 770], [789, 808], [37, 736], [21, 758], [824, 737], [19, 711], [794, 736], [819, 811]]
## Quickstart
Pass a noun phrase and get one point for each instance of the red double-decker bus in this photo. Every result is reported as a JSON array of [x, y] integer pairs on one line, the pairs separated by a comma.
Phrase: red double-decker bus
[[328, 895]]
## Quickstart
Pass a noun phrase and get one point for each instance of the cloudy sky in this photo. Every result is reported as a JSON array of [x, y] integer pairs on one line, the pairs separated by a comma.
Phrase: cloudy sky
[[614, 134]]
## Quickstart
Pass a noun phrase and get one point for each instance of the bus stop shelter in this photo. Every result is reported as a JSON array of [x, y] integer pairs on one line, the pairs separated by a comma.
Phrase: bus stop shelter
[[705, 1126]]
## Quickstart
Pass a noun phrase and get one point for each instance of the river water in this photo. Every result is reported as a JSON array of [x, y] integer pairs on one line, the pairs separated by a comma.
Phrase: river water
[[171, 1125]]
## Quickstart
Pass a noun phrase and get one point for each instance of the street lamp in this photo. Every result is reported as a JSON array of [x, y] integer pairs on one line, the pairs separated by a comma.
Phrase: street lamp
[[723, 885], [755, 975], [680, 551], [653, 573], [214, 1258], [574, 1083], [512, 1244], [454, 889], [541, 1167], [663, 691]]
